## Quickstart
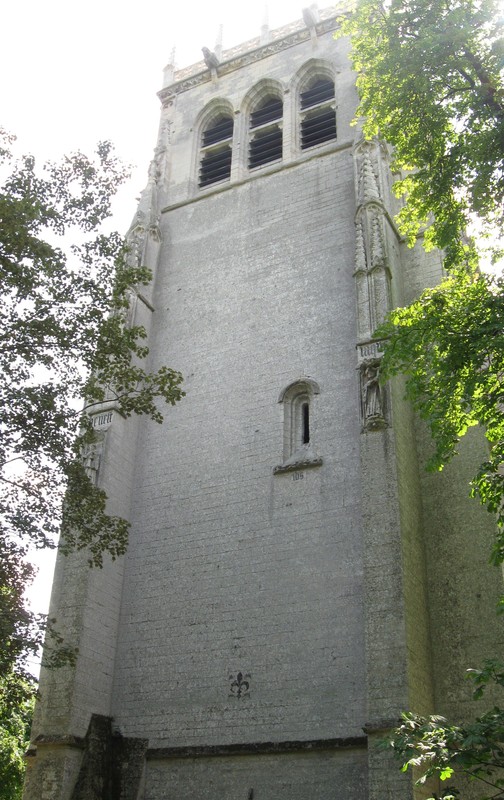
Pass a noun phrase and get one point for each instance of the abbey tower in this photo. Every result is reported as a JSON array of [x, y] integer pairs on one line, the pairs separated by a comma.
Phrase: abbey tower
[[294, 579]]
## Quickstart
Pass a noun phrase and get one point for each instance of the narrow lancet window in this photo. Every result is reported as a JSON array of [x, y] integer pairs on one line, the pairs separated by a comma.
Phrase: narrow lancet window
[[298, 448]]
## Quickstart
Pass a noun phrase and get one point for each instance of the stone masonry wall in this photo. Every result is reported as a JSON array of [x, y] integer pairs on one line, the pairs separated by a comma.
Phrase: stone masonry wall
[[231, 568]]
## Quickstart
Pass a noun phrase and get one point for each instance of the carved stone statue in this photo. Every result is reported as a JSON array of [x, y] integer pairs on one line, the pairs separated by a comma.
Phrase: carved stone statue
[[135, 239], [91, 457], [372, 396]]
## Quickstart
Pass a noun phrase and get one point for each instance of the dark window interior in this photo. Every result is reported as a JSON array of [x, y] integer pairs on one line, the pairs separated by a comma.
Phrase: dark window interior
[[318, 125], [266, 146], [319, 92], [218, 131], [215, 166], [269, 111], [216, 161], [305, 423], [266, 143]]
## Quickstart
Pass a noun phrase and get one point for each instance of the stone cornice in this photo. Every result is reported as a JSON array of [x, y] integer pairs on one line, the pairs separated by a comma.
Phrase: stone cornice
[[381, 726], [248, 53], [55, 740], [255, 748]]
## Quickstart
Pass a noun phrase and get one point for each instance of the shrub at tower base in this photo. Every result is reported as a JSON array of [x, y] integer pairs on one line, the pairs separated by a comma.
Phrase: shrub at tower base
[[429, 74], [65, 346]]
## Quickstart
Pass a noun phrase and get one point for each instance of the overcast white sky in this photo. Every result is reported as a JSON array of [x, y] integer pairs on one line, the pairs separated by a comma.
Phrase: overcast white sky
[[76, 74]]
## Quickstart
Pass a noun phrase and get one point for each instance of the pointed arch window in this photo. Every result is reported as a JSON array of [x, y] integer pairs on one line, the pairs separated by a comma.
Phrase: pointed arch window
[[298, 445], [266, 132], [216, 151], [317, 112]]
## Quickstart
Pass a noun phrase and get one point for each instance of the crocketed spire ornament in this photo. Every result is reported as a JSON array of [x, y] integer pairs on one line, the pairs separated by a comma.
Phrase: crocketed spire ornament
[[368, 183]]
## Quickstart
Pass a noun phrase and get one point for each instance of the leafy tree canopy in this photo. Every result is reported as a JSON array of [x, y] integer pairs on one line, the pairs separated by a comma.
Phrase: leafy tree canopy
[[65, 346], [450, 343], [16, 703], [429, 75], [445, 751]]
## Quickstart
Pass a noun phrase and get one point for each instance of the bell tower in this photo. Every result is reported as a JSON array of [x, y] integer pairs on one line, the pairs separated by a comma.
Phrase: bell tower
[[289, 561]]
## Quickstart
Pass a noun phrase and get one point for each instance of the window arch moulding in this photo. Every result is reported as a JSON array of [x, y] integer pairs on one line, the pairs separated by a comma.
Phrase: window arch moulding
[[314, 88], [298, 447], [263, 111], [215, 128]]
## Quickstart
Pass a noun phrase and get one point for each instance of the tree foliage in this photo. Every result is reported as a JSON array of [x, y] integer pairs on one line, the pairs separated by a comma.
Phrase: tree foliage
[[64, 343], [450, 343], [16, 703], [445, 751], [429, 75], [65, 346]]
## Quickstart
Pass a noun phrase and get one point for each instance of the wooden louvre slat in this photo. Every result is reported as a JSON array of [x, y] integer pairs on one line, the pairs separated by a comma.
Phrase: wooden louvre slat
[[215, 166], [269, 111], [318, 128], [265, 147], [320, 92], [221, 129]]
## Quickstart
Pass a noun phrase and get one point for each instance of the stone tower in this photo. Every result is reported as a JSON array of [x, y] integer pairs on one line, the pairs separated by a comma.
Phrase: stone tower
[[294, 579]]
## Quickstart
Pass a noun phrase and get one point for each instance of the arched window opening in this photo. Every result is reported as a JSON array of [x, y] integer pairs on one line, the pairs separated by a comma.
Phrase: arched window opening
[[216, 152], [318, 113], [298, 448], [266, 139]]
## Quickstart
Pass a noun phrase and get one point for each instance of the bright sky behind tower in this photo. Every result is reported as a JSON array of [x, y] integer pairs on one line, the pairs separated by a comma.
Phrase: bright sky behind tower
[[73, 74]]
